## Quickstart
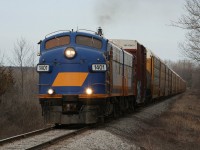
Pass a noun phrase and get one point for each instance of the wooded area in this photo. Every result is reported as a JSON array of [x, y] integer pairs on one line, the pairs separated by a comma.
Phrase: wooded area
[[188, 70], [19, 106]]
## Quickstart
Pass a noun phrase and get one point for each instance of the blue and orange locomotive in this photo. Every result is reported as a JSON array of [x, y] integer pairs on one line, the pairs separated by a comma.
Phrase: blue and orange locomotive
[[83, 77]]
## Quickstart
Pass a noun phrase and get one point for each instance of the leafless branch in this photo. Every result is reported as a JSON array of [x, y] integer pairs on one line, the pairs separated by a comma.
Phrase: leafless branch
[[191, 23], [22, 53]]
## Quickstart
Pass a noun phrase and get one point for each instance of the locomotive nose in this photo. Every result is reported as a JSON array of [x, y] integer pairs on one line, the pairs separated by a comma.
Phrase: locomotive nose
[[73, 70]]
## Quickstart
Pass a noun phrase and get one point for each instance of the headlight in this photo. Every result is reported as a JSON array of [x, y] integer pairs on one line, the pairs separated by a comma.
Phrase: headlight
[[89, 91], [50, 91], [70, 52]]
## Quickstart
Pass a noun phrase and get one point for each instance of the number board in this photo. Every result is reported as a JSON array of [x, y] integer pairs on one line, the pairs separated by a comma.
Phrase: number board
[[43, 68], [99, 67]]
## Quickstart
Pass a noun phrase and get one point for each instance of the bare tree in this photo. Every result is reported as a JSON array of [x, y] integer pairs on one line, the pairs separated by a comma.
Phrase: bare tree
[[6, 77], [22, 58], [191, 22], [2, 76]]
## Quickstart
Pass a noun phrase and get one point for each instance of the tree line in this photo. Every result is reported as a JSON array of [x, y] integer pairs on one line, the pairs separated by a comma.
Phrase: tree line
[[20, 110]]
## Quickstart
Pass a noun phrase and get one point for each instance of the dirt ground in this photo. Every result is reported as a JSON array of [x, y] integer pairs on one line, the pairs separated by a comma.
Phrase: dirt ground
[[177, 128]]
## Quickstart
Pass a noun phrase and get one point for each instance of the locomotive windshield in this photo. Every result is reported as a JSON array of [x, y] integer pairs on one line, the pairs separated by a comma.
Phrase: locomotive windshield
[[89, 41], [57, 41]]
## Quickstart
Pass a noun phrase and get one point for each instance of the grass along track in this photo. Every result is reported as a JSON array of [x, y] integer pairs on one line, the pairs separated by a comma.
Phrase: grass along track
[[178, 128]]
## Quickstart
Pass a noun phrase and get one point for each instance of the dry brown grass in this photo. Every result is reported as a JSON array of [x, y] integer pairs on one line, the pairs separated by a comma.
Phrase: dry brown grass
[[178, 128], [20, 113]]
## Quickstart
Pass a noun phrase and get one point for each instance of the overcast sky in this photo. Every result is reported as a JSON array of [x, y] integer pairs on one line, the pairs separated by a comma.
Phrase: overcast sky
[[147, 21]]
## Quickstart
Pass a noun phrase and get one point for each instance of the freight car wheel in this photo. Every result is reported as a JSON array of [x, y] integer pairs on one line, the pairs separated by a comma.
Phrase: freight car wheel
[[116, 108], [134, 104], [122, 109], [115, 114], [57, 126], [129, 105]]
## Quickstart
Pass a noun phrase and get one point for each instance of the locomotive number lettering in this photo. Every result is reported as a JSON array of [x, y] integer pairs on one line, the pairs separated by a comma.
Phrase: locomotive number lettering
[[42, 68], [98, 67]]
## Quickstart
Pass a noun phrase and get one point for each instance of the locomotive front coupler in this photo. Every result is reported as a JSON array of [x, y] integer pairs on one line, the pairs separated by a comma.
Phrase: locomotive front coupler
[[70, 104]]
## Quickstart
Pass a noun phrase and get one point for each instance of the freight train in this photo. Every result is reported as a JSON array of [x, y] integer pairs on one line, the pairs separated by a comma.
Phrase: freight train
[[84, 77]]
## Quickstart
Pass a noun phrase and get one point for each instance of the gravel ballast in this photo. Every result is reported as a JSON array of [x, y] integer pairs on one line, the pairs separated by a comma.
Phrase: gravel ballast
[[117, 134]]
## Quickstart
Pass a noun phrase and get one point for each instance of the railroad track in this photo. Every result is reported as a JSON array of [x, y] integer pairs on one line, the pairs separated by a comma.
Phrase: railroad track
[[49, 136], [39, 139], [25, 135]]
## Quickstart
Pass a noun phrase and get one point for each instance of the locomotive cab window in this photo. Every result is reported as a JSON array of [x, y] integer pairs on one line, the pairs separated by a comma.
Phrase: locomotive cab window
[[57, 41], [89, 41]]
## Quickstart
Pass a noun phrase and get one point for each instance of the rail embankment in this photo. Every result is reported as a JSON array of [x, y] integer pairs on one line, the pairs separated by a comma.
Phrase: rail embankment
[[177, 128]]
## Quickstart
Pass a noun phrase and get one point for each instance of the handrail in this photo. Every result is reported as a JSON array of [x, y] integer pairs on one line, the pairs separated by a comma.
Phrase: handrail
[[86, 30], [56, 32]]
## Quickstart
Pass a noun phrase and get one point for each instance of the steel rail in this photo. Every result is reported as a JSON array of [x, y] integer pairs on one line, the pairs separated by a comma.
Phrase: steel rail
[[25, 135], [58, 139]]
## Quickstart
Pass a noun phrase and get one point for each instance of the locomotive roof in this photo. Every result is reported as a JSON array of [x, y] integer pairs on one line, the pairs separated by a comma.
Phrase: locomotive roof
[[72, 35], [68, 32]]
